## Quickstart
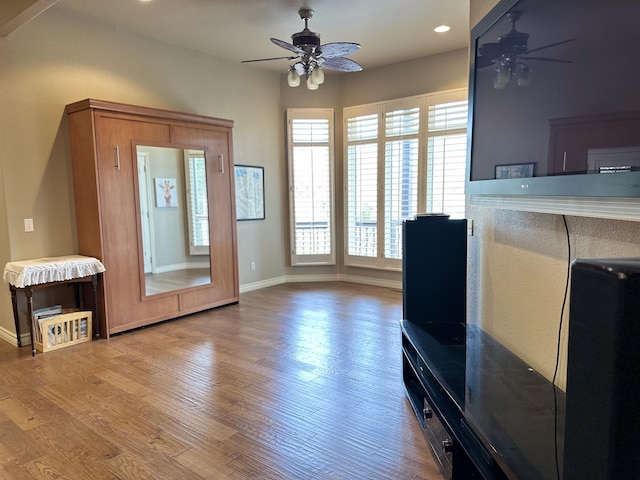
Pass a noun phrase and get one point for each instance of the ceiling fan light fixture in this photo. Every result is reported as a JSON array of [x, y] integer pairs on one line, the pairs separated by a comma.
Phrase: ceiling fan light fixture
[[311, 85], [523, 75], [310, 55], [503, 74], [317, 75], [506, 55], [293, 79]]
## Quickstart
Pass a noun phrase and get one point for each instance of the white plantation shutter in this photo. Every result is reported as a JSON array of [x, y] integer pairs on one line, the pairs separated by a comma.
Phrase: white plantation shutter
[[310, 139], [197, 204], [362, 186], [446, 158], [401, 158], [401, 175]]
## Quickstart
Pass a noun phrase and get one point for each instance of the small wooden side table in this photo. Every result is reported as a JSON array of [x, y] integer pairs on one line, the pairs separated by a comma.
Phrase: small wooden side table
[[30, 275]]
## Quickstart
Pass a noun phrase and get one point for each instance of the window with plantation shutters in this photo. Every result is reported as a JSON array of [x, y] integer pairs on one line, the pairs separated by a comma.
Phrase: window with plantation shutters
[[401, 157], [197, 203], [362, 186], [311, 167], [447, 158], [401, 175]]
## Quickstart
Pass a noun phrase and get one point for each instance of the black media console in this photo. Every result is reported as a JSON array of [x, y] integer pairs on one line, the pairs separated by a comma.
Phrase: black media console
[[489, 415], [485, 413]]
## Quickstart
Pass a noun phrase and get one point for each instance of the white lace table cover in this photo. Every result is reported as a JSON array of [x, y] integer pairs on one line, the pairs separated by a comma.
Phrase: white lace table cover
[[23, 273]]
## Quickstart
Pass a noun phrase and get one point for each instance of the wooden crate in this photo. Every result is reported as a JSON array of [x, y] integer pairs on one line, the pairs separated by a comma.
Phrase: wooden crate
[[65, 330]]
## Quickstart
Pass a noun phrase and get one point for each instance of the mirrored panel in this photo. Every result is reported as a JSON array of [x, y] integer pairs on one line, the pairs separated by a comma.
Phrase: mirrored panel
[[174, 216]]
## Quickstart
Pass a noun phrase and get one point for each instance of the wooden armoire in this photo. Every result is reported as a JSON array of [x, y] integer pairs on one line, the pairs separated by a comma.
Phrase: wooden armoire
[[155, 202]]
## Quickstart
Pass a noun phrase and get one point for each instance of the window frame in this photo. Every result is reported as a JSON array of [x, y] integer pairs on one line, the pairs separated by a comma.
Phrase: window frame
[[381, 109], [362, 111], [302, 259], [196, 248]]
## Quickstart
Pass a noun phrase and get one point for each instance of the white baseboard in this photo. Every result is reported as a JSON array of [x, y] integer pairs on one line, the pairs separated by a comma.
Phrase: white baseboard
[[376, 282], [247, 287], [10, 337], [337, 277], [181, 266]]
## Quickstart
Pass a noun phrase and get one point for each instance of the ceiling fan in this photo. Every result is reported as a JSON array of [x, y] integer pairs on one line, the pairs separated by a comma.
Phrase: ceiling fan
[[508, 53], [312, 57]]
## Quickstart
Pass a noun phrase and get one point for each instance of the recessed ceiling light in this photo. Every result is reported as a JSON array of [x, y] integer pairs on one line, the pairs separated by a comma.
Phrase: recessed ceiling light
[[442, 28]]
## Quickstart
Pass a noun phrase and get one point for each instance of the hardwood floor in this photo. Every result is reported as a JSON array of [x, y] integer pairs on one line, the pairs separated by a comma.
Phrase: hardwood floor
[[298, 381]]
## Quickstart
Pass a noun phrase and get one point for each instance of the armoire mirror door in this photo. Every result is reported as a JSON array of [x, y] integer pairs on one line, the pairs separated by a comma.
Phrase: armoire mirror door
[[171, 250], [174, 218]]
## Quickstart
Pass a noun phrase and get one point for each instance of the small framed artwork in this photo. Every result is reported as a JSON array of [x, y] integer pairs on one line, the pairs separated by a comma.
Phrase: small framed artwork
[[515, 170], [166, 194], [249, 192]]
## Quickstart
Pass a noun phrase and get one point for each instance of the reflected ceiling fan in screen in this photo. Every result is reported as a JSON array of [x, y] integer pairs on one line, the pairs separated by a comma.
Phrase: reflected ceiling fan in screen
[[509, 53]]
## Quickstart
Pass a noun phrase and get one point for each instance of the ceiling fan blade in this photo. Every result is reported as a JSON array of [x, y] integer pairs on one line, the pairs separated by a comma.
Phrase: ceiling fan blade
[[482, 62], [338, 49], [549, 46], [268, 59], [341, 64], [287, 45], [557, 60], [491, 50]]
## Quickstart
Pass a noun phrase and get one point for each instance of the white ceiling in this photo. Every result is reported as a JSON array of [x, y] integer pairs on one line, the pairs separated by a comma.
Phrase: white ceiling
[[389, 31]]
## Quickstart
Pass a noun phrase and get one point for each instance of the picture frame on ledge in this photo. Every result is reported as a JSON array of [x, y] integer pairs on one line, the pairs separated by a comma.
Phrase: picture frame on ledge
[[515, 170]]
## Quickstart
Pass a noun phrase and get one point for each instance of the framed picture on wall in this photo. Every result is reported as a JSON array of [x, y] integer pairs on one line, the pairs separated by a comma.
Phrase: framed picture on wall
[[249, 192], [166, 194]]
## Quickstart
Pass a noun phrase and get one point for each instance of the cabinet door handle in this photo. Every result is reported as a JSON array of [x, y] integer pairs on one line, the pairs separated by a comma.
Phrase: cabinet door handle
[[447, 446], [117, 157], [564, 161], [221, 158]]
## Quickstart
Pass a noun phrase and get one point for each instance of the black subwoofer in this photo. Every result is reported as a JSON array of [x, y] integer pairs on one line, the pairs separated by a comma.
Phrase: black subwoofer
[[434, 274], [602, 436]]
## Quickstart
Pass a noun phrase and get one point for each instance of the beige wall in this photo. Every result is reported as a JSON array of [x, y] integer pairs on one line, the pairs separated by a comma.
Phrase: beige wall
[[518, 266], [55, 60]]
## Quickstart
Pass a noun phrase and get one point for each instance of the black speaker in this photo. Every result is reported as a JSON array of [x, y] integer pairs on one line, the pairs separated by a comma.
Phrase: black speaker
[[602, 427], [434, 270]]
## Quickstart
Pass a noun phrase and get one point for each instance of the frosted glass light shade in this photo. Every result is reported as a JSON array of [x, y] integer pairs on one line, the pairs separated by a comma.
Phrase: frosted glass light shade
[[524, 76], [317, 75], [311, 85], [504, 74], [293, 79]]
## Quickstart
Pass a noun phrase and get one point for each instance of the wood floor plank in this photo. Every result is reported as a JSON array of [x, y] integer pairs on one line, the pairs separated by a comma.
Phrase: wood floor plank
[[209, 460], [297, 381], [18, 444], [49, 466], [19, 413]]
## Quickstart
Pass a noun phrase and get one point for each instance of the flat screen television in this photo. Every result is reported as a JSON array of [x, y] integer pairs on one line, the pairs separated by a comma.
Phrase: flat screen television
[[555, 99]]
